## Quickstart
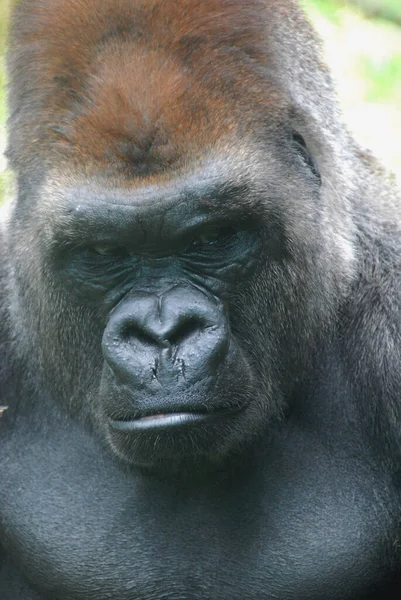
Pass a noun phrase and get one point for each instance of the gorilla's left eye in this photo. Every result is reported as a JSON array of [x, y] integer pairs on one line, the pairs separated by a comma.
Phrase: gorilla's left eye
[[109, 250]]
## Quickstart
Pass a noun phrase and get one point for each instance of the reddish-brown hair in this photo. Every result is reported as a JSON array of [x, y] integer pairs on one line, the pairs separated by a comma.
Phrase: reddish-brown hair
[[138, 84]]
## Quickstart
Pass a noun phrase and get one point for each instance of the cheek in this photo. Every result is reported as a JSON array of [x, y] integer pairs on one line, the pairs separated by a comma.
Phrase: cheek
[[70, 348]]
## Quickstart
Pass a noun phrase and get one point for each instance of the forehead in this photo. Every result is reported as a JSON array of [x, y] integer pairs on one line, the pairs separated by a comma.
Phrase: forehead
[[138, 86]]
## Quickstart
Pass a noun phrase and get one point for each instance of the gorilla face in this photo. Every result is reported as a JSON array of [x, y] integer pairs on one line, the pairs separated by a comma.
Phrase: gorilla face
[[166, 314]]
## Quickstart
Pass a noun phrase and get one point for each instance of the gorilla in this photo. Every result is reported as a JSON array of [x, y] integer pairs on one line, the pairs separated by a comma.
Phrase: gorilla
[[200, 313]]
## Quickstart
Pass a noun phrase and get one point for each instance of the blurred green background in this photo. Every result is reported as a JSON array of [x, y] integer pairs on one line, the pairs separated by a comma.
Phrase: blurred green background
[[362, 40]]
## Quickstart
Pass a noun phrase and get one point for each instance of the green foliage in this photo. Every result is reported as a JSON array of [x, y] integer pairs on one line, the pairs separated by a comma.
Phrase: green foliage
[[2, 95], [330, 9], [383, 77], [382, 9], [365, 57]]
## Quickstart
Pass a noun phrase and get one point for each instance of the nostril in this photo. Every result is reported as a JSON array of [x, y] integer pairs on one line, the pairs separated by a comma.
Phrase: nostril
[[184, 331], [134, 333]]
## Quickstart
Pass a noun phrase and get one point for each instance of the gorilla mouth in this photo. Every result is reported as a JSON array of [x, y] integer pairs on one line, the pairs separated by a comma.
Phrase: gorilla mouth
[[168, 420]]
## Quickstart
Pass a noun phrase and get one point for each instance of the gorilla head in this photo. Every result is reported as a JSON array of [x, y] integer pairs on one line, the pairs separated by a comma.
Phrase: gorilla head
[[178, 250]]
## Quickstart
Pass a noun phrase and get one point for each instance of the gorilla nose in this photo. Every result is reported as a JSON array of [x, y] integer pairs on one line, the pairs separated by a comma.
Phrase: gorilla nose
[[149, 324], [154, 340]]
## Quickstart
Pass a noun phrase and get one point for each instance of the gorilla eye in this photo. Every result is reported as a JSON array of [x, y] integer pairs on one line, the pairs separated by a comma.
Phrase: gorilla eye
[[208, 238], [213, 238], [108, 250], [302, 149]]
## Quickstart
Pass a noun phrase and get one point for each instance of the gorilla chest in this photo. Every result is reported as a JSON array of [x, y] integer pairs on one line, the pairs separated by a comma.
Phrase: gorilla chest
[[84, 530]]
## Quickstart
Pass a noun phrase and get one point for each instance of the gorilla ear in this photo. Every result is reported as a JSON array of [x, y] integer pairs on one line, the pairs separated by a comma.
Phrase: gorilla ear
[[301, 148]]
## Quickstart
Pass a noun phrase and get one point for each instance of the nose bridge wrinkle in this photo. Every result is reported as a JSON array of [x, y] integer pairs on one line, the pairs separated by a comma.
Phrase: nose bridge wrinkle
[[147, 314], [174, 312]]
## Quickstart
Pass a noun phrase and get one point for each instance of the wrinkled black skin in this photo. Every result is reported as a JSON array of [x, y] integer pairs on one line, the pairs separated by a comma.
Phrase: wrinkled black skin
[[290, 487]]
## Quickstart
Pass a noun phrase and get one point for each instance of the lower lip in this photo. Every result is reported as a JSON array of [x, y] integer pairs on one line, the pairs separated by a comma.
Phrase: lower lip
[[165, 421]]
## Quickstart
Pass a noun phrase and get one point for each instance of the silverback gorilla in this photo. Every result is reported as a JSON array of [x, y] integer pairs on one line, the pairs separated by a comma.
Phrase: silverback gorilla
[[200, 313]]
